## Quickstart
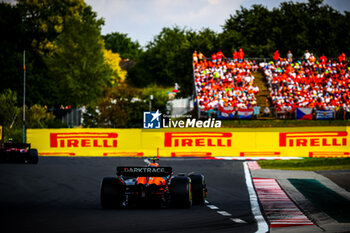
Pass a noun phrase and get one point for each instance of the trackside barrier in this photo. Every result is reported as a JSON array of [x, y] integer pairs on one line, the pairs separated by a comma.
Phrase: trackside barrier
[[256, 142]]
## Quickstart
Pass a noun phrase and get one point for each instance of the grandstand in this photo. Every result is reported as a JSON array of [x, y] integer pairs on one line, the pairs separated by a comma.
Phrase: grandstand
[[291, 89], [319, 89], [225, 86]]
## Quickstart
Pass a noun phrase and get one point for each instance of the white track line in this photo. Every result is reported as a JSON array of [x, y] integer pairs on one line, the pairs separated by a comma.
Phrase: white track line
[[213, 207], [262, 225], [224, 213], [237, 220]]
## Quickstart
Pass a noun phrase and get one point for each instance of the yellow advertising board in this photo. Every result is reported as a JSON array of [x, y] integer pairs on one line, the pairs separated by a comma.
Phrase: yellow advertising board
[[271, 142], [0, 132]]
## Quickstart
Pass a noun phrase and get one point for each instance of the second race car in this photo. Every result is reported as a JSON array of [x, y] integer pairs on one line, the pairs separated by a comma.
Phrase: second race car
[[18, 153]]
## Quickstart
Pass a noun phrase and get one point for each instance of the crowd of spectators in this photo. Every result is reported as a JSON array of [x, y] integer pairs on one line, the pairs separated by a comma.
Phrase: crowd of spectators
[[224, 82], [321, 84]]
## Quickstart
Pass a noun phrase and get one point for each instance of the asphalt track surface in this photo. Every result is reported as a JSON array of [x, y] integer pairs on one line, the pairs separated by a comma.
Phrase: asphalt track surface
[[61, 194]]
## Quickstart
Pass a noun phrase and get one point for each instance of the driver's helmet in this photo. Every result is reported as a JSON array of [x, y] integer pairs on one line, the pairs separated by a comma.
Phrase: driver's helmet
[[153, 165]]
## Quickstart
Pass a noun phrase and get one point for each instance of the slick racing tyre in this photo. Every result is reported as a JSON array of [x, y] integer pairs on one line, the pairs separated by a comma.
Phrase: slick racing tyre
[[180, 192], [199, 191], [112, 193], [33, 157]]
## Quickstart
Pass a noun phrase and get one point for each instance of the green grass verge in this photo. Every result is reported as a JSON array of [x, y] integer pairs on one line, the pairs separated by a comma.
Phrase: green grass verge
[[281, 123], [324, 199], [310, 164]]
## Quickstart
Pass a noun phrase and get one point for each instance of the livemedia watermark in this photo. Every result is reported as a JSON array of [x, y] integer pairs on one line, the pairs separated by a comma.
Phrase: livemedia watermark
[[157, 120]]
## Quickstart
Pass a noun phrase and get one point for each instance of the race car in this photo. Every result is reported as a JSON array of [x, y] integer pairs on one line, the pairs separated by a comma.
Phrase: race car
[[18, 153], [154, 186]]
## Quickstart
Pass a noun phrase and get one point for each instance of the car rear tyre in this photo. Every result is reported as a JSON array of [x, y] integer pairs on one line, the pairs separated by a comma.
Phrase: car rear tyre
[[180, 191], [112, 193], [33, 156], [199, 191]]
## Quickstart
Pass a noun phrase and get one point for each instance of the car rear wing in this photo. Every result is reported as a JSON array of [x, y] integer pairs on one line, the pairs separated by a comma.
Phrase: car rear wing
[[144, 171], [16, 145]]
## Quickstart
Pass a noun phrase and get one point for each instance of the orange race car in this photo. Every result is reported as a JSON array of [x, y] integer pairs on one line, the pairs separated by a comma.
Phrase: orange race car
[[152, 185]]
